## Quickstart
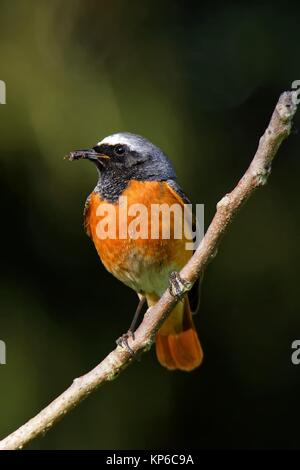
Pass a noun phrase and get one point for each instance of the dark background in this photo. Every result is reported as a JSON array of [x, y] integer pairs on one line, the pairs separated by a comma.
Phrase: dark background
[[201, 82]]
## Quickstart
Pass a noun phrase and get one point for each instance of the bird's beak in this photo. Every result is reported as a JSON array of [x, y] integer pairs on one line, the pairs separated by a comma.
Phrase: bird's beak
[[87, 154]]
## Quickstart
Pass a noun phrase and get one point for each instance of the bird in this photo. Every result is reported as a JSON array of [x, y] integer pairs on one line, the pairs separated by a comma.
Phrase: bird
[[132, 168]]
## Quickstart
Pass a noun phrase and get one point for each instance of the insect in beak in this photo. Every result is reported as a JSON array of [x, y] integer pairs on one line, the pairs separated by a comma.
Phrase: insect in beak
[[87, 154]]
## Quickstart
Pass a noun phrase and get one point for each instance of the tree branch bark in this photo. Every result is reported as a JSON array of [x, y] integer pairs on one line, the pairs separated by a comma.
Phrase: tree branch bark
[[255, 176]]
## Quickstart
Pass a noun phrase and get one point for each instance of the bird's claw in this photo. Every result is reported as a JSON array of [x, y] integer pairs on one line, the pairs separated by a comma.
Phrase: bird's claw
[[123, 341], [178, 287]]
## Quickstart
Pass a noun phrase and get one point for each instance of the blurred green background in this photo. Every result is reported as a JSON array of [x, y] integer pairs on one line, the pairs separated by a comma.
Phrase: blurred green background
[[201, 82]]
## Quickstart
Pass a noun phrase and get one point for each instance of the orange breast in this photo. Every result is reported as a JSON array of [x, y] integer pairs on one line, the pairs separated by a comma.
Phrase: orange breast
[[142, 263]]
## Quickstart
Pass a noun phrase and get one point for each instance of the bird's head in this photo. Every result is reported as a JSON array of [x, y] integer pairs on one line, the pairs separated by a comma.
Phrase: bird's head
[[127, 156]]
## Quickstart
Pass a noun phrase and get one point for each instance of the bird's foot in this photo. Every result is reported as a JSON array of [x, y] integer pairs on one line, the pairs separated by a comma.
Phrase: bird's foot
[[178, 287], [123, 341]]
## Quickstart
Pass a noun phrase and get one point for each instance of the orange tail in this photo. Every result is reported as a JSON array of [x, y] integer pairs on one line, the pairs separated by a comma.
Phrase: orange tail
[[177, 343]]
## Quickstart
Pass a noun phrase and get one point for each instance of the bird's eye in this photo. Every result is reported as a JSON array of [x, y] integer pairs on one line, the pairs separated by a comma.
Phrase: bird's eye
[[119, 149]]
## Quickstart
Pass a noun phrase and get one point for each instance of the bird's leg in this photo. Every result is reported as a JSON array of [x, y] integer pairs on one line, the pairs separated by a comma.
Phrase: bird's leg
[[123, 340], [178, 287], [132, 327]]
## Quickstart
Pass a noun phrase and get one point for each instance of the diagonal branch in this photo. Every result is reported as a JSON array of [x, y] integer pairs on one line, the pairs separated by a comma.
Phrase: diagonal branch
[[255, 176]]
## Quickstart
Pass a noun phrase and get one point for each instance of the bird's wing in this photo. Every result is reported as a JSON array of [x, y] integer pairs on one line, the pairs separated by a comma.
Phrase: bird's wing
[[86, 213], [194, 293]]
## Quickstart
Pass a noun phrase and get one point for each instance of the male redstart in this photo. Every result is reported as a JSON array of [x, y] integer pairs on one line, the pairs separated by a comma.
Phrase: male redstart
[[132, 169]]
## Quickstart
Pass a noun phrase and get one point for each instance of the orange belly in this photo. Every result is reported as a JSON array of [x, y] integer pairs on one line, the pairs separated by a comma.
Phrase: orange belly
[[142, 264]]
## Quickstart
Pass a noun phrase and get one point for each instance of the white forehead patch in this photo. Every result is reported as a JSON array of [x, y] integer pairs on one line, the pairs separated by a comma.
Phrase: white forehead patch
[[115, 139]]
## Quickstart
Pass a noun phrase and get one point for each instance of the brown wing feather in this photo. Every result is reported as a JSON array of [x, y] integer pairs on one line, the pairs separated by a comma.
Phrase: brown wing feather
[[86, 213], [194, 293]]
